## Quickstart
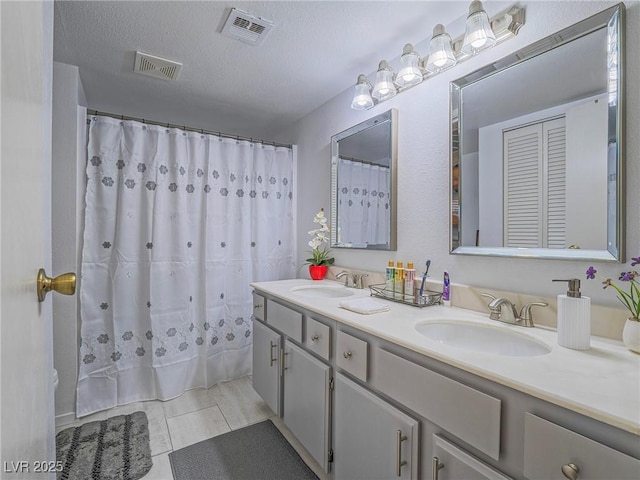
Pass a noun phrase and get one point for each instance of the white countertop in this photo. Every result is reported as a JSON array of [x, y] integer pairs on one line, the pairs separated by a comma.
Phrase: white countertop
[[602, 383]]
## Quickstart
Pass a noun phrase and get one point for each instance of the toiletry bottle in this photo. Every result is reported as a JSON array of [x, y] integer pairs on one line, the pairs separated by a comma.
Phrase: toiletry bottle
[[574, 317], [409, 288], [390, 275], [446, 290], [398, 284]]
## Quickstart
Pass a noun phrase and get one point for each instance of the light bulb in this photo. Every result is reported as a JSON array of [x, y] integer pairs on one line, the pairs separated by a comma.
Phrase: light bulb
[[409, 73], [441, 54], [478, 35], [362, 97], [384, 88]]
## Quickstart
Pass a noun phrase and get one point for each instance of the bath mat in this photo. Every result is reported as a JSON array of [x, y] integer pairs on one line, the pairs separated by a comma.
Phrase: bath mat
[[113, 449], [256, 452]]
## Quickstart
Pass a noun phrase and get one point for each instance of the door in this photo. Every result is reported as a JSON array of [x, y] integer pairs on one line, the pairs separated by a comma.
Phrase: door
[[26, 348], [266, 364], [306, 401], [372, 439]]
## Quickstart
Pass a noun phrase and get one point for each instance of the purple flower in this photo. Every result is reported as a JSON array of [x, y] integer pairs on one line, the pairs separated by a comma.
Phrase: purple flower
[[628, 276], [635, 261], [591, 273]]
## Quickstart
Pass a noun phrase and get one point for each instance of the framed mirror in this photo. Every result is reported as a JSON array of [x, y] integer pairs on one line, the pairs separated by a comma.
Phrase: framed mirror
[[537, 148], [364, 184]]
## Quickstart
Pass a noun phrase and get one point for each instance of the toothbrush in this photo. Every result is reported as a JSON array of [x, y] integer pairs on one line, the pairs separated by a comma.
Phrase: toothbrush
[[424, 277]]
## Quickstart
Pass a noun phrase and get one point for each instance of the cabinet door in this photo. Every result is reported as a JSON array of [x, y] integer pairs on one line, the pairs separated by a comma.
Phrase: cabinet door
[[450, 462], [306, 401], [372, 439], [266, 364]]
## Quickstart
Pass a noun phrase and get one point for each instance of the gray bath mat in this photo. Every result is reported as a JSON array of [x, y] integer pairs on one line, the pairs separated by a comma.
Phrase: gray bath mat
[[256, 452], [113, 449]]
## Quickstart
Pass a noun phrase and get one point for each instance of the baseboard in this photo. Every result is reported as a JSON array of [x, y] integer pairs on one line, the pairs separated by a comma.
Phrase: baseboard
[[65, 419]]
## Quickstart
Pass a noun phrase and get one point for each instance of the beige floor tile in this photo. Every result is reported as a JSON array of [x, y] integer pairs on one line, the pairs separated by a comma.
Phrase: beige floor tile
[[161, 469], [189, 401], [239, 403], [194, 427]]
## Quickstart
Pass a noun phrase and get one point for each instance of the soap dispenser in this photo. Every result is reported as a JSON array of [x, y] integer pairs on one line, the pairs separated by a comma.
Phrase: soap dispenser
[[574, 317]]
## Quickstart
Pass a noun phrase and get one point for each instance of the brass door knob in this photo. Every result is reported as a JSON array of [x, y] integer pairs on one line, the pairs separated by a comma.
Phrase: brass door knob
[[65, 284]]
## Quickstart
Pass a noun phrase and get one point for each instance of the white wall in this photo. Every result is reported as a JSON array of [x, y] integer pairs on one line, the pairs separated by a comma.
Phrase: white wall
[[67, 178], [423, 161]]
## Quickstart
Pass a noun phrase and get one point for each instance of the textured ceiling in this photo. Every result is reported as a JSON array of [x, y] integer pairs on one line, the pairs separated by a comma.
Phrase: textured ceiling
[[315, 52]]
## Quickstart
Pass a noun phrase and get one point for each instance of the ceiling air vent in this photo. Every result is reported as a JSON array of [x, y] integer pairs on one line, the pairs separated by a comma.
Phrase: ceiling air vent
[[156, 67], [246, 28]]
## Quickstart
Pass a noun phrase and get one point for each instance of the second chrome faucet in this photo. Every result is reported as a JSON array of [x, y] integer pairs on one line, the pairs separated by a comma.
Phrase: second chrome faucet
[[504, 310], [352, 280]]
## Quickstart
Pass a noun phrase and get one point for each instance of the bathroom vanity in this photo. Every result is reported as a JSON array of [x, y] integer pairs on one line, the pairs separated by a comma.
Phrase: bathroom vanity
[[371, 397]]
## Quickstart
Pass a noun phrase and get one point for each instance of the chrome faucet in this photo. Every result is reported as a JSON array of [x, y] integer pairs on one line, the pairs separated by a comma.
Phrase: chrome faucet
[[352, 280], [504, 310]]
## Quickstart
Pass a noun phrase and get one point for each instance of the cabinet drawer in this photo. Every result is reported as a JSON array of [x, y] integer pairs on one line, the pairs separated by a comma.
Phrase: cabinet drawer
[[457, 463], [318, 338], [548, 447], [470, 415], [351, 355], [258, 307], [286, 320]]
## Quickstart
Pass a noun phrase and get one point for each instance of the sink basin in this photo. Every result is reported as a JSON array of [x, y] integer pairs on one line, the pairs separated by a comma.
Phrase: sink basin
[[322, 291], [482, 338]]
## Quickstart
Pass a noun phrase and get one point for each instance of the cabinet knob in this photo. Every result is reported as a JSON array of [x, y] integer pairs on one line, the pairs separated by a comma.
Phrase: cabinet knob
[[570, 470], [257, 307], [346, 354], [315, 338]]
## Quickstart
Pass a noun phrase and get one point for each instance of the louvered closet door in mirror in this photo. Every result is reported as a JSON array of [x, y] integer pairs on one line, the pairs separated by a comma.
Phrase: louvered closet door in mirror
[[535, 185]]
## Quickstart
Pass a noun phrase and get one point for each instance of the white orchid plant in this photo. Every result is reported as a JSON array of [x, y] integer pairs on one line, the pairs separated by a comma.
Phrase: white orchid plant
[[319, 236]]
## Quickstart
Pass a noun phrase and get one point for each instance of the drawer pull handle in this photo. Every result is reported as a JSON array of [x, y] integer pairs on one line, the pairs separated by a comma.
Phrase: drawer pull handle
[[271, 359], [346, 354], [399, 462], [570, 470], [436, 466], [315, 338]]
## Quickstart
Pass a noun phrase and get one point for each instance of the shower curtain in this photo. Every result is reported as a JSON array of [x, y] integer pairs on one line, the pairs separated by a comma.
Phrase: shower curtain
[[177, 224], [363, 203]]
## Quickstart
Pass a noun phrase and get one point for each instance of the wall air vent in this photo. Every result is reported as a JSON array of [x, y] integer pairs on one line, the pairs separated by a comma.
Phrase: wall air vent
[[246, 28], [156, 67]]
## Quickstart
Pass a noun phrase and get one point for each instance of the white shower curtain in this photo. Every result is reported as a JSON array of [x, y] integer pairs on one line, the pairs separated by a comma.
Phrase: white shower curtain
[[177, 225], [364, 203]]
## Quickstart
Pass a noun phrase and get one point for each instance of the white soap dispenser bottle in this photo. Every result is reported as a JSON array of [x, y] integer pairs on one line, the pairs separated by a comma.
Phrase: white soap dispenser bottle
[[574, 318]]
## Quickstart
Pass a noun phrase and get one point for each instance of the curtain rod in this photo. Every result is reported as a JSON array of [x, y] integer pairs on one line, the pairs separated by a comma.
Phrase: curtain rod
[[366, 162], [182, 127]]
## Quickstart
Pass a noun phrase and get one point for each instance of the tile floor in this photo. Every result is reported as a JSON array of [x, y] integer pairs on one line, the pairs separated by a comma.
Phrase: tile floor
[[197, 415]]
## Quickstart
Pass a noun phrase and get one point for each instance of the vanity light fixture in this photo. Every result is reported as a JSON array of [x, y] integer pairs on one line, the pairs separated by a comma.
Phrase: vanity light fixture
[[481, 34], [478, 35], [384, 88], [441, 54], [362, 99], [409, 73]]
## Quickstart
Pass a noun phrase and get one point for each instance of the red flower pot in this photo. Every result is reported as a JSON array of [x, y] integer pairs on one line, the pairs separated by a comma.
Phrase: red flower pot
[[318, 272]]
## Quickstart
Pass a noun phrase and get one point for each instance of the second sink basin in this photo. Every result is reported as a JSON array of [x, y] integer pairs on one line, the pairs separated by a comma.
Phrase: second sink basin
[[482, 338], [322, 291]]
